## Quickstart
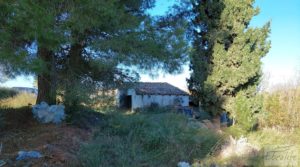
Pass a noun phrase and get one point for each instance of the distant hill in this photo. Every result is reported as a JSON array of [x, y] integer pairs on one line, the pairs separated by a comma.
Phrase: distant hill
[[25, 90]]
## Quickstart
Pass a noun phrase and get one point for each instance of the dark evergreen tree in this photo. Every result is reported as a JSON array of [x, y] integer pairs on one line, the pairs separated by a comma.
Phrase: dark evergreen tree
[[226, 57]]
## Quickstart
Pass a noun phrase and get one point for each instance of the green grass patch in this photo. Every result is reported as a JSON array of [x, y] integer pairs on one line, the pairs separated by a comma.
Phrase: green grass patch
[[157, 139]]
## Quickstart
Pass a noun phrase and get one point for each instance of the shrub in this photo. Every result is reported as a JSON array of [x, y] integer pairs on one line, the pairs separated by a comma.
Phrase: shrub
[[247, 112], [161, 139], [84, 117]]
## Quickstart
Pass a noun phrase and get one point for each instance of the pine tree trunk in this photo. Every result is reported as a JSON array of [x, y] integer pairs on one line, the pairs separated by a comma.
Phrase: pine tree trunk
[[75, 67], [46, 80], [44, 89]]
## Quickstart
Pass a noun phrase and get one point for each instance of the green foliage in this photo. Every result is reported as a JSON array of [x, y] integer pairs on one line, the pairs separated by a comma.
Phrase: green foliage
[[85, 117], [161, 139], [226, 58], [92, 41], [3, 74], [246, 110], [7, 93]]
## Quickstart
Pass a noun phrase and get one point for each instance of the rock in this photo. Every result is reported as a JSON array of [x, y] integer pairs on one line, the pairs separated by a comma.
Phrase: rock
[[58, 113], [240, 147], [40, 111], [49, 114], [22, 155], [183, 164]]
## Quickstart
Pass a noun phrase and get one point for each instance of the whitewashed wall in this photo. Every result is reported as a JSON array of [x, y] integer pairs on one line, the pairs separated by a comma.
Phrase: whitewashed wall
[[140, 101]]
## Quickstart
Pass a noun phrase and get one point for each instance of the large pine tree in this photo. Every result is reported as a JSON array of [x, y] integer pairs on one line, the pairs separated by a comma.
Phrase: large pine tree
[[85, 42], [226, 58]]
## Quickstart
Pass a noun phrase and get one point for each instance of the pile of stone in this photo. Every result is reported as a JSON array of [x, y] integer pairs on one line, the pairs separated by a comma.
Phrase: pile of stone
[[238, 147], [183, 164], [49, 114]]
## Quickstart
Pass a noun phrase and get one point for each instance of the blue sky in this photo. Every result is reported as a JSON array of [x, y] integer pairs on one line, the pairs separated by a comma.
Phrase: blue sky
[[283, 60], [280, 64]]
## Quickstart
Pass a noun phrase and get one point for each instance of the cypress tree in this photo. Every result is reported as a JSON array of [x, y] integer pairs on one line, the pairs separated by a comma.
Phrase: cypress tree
[[226, 57]]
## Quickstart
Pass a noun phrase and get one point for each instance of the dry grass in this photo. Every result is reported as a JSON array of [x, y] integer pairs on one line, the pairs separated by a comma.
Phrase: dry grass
[[261, 139], [20, 100], [282, 108]]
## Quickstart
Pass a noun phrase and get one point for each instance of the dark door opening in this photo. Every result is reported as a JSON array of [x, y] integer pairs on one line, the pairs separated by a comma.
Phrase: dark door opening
[[128, 102]]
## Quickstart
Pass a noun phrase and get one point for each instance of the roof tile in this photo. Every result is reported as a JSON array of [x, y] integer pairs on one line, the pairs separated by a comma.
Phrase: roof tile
[[157, 88]]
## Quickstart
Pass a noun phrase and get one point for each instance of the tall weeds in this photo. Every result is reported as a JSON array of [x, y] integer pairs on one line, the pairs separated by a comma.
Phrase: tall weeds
[[282, 108], [161, 139]]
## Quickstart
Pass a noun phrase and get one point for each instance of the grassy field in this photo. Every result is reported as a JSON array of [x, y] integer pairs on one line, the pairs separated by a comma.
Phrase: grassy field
[[157, 139], [19, 100], [12, 99], [117, 138]]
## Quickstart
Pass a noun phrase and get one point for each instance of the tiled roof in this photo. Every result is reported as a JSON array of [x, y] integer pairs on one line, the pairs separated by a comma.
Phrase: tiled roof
[[157, 88]]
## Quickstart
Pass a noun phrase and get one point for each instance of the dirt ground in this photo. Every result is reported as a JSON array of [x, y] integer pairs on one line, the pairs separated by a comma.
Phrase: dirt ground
[[58, 144]]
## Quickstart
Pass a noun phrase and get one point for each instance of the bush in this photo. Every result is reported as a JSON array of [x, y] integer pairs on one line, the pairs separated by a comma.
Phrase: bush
[[247, 112], [84, 117], [161, 139]]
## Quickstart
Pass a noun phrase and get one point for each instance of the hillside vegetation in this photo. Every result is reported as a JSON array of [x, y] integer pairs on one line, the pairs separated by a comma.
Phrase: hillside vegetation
[[282, 108]]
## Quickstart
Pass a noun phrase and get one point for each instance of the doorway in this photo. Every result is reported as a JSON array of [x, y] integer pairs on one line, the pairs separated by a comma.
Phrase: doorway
[[128, 102]]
